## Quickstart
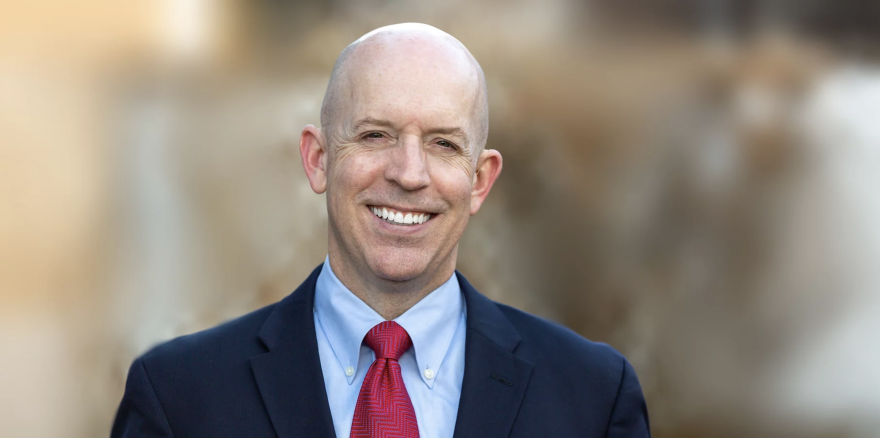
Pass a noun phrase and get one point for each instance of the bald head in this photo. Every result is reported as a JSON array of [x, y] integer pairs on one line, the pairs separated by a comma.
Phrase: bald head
[[401, 157], [410, 55]]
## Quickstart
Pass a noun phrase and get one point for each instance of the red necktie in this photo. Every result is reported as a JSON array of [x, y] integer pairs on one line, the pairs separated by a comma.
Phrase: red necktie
[[383, 408]]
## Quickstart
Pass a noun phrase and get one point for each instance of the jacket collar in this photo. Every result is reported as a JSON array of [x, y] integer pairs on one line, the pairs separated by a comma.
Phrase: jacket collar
[[291, 381], [495, 379], [289, 375]]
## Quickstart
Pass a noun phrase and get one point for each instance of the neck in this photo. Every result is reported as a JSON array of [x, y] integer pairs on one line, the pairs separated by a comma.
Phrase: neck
[[390, 298]]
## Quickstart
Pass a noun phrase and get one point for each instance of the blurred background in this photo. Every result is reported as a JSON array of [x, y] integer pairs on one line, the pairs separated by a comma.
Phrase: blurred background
[[693, 182]]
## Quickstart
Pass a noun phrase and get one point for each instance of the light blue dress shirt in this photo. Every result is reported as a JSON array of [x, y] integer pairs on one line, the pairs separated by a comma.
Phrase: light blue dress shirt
[[432, 369]]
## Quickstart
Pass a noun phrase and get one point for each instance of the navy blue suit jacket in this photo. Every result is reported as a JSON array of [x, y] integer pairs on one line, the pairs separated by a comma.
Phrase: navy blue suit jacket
[[260, 376]]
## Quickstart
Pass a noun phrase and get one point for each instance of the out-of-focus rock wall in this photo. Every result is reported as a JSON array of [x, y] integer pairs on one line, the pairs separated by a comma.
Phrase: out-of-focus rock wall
[[691, 182]]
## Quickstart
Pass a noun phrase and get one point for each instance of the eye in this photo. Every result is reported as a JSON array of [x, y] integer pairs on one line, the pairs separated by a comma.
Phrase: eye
[[374, 135], [446, 144]]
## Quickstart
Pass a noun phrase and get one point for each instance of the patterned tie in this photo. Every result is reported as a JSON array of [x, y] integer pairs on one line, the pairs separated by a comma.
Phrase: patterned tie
[[383, 408]]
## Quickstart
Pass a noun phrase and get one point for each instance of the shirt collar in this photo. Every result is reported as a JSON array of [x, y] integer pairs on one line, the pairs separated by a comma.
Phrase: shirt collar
[[345, 320]]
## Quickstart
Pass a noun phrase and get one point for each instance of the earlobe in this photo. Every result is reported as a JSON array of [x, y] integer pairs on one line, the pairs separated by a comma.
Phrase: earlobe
[[312, 149], [488, 169]]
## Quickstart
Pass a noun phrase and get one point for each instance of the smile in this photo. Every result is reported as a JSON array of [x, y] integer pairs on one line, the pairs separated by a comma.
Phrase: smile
[[399, 217]]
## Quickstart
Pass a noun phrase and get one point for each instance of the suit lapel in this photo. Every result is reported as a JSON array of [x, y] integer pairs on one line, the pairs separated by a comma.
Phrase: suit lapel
[[291, 381], [289, 375], [495, 379]]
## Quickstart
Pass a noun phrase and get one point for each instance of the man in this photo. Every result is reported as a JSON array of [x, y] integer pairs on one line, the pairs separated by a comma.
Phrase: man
[[385, 338]]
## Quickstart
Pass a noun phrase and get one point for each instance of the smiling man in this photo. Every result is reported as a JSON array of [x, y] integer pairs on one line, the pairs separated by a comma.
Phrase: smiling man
[[385, 338]]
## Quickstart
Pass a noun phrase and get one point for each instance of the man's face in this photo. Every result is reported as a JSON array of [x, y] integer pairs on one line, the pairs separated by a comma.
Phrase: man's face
[[401, 163]]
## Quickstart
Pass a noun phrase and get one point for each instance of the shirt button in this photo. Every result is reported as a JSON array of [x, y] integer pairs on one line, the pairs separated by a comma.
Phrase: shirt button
[[349, 371], [429, 374]]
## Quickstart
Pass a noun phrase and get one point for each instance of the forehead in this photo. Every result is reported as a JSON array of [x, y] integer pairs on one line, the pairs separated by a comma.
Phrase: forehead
[[412, 81]]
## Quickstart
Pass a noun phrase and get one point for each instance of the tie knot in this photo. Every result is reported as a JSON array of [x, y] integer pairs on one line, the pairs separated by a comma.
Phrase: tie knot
[[388, 340]]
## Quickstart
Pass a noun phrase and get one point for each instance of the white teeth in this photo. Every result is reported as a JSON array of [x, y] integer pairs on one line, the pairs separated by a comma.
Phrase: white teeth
[[400, 218]]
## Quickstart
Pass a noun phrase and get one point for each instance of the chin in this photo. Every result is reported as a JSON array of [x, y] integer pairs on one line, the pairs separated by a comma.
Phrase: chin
[[398, 268]]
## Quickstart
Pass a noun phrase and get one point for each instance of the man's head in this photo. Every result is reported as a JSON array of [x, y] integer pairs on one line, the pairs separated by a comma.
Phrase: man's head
[[430, 45], [404, 125]]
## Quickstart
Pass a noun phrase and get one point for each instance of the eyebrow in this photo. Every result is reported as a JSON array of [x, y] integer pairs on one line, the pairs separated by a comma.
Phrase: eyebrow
[[456, 131], [371, 121]]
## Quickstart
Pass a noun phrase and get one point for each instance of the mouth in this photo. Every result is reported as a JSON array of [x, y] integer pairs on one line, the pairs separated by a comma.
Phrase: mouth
[[397, 217]]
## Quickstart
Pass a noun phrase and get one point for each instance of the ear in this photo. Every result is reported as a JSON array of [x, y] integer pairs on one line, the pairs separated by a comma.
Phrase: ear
[[488, 169], [313, 150]]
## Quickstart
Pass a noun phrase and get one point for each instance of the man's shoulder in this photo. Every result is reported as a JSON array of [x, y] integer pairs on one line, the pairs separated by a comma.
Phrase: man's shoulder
[[548, 342], [202, 384], [569, 370], [234, 340]]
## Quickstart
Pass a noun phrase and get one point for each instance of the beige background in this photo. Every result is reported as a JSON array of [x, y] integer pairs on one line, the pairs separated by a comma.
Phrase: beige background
[[694, 183]]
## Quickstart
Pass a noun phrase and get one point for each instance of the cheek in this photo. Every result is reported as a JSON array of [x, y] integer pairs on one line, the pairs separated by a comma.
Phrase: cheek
[[354, 172], [454, 163], [454, 185]]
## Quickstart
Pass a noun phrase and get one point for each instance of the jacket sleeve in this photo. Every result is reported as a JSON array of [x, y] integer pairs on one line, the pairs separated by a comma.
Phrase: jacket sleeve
[[140, 414], [629, 417]]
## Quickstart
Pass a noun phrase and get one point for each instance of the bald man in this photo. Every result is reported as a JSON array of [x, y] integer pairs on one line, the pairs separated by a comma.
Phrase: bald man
[[386, 338]]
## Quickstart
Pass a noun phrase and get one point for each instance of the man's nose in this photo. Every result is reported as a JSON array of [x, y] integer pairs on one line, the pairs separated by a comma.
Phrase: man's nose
[[408, 166]]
